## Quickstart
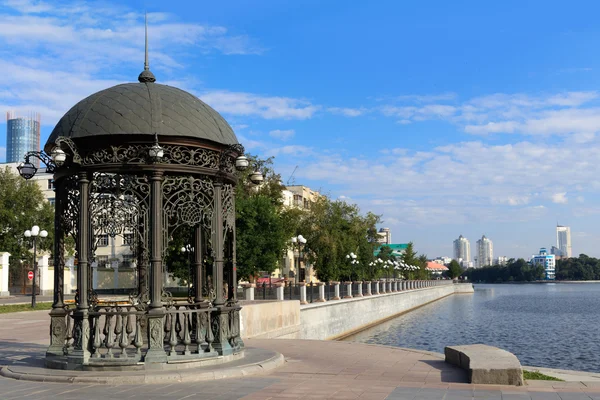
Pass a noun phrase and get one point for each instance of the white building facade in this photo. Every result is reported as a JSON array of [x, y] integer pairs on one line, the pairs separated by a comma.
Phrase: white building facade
[[462, 251], [548, 261], [384, 236], [485, 252], [563, 240]]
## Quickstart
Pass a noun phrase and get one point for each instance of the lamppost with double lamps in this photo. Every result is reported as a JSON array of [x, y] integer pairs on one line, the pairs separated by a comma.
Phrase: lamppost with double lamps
[[188, 249], [298, 241], [353, 261], [33, 234]]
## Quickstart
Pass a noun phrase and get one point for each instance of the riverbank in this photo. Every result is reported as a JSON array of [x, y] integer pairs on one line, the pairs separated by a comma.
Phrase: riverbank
[[335, 319]]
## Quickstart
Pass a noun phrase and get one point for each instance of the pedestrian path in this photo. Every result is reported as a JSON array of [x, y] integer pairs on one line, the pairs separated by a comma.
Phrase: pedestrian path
[[313, 370]]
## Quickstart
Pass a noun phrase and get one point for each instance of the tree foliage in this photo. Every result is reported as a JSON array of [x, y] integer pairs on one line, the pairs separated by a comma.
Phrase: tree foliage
[[582, 268], [454, 269], [334, 229], [263, 225], [22, 205], [514, 271]]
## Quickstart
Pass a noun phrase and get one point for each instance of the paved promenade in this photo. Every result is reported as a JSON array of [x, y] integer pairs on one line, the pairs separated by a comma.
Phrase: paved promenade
[[313, 370]]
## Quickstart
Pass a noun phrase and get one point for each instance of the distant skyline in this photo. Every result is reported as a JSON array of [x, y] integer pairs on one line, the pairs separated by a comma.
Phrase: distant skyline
[[445, 117]]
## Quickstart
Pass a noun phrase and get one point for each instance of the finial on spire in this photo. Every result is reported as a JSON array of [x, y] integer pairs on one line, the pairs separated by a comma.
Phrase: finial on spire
[[146, 65], [146, 75]]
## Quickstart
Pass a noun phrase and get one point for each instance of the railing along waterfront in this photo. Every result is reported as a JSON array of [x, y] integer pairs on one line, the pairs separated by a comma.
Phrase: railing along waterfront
[[311, 292]]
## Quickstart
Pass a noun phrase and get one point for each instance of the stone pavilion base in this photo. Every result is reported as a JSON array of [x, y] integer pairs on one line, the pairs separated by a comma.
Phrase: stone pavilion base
[[256, 361]]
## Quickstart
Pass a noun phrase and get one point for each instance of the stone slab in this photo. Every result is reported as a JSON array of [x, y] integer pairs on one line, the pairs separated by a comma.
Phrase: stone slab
[[485, 364]]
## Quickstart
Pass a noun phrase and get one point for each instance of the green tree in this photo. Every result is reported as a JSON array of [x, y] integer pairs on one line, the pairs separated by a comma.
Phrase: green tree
[[454, 269], [263, 225], [22, 205]]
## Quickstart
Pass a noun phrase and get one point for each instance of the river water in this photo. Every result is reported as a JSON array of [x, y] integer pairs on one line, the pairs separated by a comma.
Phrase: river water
[[553, 325]]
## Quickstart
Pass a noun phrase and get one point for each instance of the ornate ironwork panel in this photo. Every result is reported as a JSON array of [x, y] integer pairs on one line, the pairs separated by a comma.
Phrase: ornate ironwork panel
[[187, 201], [138, 154]]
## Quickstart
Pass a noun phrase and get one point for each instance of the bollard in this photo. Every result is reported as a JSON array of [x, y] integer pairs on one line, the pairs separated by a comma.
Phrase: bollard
[[359, 286], [249, 291], [321, 286], [302, 286], [376, 287], [394, 286], [369, 293], [388, 288], [336, 290], [279, 290], [348, 290]]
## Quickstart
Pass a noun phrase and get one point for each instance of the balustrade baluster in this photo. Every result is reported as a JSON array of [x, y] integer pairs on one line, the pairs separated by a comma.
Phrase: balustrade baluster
[[199, 330], [173, 335], [109, 339], [124, 342], [97, 340], [69, 334], [138, 341], [130, 320], [187, 340], [210, 338]]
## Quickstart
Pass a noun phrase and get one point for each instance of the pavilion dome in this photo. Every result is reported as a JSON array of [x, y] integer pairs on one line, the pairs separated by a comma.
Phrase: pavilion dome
[[144, 108]]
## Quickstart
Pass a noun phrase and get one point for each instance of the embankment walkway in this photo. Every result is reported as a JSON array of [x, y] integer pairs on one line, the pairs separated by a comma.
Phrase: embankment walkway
[[313, 370]]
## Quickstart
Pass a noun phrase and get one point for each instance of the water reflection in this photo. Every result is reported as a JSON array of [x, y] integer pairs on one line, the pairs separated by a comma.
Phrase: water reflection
[[547, 325]]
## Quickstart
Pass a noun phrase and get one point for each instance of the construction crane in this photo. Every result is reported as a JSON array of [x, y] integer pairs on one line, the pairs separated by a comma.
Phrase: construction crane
[[291, 178]]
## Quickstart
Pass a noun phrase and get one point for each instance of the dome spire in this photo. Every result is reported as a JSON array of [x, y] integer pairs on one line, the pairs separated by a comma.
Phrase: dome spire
[[146, 75]]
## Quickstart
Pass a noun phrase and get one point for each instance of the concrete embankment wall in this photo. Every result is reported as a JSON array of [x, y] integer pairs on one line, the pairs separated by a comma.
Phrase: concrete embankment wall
[[334, 319]]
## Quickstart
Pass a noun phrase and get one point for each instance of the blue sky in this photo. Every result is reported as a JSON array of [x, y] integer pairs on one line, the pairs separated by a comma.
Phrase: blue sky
[[447, 118]]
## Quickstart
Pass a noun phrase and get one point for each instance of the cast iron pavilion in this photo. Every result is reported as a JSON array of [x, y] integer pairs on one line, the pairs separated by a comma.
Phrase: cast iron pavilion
[[154, 162]]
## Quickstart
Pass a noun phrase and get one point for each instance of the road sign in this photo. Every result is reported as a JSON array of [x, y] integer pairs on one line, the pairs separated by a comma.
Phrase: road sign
[[30, 275]]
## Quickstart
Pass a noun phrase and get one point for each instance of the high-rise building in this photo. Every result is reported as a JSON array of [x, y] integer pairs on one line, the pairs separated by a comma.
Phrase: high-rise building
[[563, 240], [462, 251], [546, 260], [384, 236], [485, 252], [501, 260], [22, 136]]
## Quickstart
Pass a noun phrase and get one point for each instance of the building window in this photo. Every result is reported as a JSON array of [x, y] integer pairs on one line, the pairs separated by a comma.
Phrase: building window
[[102, 261], [128, 260], [52, 200], [50, 184], [128, 239], [102, 240]]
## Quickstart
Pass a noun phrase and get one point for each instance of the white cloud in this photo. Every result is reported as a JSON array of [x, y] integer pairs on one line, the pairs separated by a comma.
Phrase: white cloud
[[554, 114], [248, 104], [468, 182], [296, 150], [282, 134], [348, 112], [560, 198], [54, 54]]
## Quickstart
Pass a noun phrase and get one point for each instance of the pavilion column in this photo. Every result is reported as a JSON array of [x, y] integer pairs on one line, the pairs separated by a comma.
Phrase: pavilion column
[[58, 326], [198, 251], [81, 327], [156, 314], [221, 329]]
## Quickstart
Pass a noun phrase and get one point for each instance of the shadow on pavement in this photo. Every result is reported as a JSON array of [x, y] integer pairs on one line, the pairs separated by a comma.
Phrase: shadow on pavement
[[18, 353], [449, 373]]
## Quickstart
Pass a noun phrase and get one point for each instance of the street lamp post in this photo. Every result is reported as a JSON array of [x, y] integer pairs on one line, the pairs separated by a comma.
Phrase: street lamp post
[[353, 261], [33, 234], [187, 249], [297, 241]]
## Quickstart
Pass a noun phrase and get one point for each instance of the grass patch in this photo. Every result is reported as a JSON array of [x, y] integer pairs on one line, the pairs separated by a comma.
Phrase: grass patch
[[538, 376], [9, 308]]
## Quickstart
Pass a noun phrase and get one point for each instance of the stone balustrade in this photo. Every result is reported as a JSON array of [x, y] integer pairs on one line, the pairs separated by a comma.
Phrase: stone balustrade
[[350, 290]]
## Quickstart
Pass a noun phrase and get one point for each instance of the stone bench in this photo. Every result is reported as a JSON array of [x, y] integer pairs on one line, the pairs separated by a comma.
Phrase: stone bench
[[486, 364]]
